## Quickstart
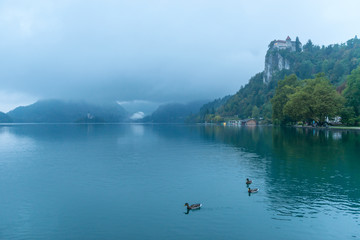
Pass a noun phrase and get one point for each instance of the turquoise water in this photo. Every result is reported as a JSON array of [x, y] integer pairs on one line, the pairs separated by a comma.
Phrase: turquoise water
[[131, 182]]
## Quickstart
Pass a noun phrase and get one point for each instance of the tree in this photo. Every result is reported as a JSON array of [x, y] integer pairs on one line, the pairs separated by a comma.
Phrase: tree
[[347, 116], [305, 69], [298, 108], [218, 119], [309, 46], [352, 91], [297, 45], [255, 112], [285, 88], [316, 99], [338, 70], [326, 101]]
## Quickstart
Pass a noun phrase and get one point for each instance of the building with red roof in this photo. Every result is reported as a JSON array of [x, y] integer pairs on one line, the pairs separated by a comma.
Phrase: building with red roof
[[287, 44]]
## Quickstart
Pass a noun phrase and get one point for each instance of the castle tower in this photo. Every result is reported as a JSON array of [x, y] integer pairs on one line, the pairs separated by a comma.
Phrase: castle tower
[[288, 42]]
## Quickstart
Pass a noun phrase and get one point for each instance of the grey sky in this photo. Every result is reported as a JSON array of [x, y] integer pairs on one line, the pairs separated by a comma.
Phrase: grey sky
[[156, 51]]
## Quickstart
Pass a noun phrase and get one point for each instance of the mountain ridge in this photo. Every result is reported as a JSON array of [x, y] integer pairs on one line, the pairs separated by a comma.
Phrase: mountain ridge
[[59, 111]]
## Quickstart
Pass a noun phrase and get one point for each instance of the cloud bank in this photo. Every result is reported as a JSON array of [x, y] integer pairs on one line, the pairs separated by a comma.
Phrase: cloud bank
[[158, 51]]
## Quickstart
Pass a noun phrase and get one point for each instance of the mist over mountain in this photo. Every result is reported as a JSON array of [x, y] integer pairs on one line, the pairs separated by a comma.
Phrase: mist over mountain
[[58, 111], [174, 112], [167, 51]]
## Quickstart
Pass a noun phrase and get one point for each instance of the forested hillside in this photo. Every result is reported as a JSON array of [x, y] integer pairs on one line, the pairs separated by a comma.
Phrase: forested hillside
[[57, 111], [207, 111], [335, 61], [174, 112]]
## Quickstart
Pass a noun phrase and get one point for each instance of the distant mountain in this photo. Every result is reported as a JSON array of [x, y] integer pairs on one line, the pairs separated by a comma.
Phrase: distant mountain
[[174, 112], [57, 111], [4, 118], [208, 110]]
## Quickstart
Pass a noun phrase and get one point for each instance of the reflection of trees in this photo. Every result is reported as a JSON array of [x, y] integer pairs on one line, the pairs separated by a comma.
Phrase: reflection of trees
[[310, 168], [305, 167], [252, 139], [68, 132]]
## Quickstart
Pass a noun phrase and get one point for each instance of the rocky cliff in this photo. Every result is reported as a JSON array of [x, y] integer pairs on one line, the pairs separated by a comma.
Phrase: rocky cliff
[[275, 61]]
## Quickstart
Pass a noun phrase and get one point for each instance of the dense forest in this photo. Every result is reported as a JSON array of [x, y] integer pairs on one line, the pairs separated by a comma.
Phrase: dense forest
[[336, 63], [307, 100]]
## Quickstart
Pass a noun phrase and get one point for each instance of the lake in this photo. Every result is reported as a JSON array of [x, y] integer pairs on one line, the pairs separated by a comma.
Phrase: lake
[[130, 181]]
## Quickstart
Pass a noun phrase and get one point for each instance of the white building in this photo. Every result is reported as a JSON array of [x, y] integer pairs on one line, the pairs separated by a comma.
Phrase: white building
[[287, 44]]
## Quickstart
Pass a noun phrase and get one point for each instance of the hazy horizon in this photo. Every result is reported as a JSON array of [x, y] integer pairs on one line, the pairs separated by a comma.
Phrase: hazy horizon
[[151, 51]]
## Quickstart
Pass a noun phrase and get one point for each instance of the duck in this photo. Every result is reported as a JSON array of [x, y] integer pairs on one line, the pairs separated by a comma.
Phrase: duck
[[254, 190], [193, 206], [248, 181]]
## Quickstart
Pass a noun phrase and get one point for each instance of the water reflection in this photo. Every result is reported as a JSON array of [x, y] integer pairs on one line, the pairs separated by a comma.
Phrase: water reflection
[[192, 210], [138, 129], [65, 132], [301, 171], [83, 175], [10, 142], [305, 170]]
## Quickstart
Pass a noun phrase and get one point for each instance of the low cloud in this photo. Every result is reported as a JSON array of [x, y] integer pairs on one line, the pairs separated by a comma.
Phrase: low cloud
[[137, 116], [136, 106], [124, 103], [176, 51]]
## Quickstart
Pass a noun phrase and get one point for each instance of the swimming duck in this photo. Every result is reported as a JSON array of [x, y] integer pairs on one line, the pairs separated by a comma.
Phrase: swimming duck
[[248, 181], [254, 190], [193, 206]]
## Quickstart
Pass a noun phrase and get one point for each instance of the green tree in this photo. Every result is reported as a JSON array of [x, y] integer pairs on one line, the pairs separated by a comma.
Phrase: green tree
[[309, 46], [285, 88], [297, 45], [326, 102], [352, 91], [347, 116], [218, 119], [316, 99], [267, 111], [298, 108], [255, 112]]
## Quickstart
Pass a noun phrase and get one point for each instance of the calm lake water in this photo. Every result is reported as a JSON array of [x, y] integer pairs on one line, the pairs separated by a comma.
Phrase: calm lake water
[[131, 182]]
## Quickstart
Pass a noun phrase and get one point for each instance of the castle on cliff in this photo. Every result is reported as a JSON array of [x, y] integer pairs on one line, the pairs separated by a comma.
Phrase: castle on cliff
[[276, 61], [287, 44]]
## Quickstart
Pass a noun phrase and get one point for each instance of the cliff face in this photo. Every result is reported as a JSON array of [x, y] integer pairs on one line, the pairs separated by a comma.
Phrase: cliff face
[[274, 62]]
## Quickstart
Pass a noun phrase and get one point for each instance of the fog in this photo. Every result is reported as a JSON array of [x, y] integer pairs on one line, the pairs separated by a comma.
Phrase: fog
[[151, 51]]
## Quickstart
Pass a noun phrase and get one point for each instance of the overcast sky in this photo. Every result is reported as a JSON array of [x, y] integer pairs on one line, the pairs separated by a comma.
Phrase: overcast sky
[[155, 51]]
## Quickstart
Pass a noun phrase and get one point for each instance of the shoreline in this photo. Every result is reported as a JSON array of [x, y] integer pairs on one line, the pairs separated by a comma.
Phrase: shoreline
[[204, 124], [330, 127]]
